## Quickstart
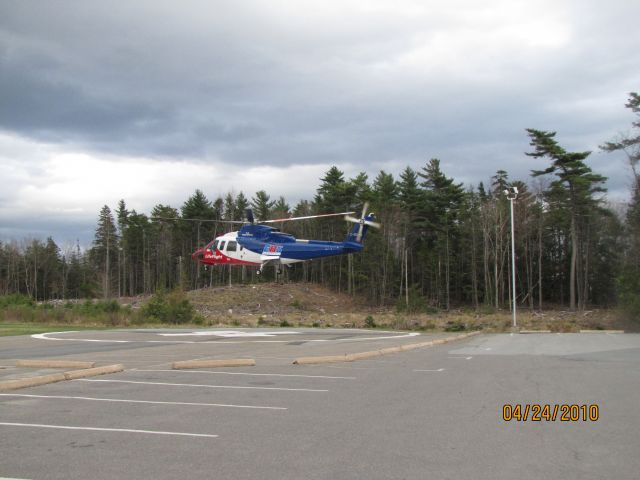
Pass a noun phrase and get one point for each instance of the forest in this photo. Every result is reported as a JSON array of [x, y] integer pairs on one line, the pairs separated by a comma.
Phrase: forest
[[441, 245]]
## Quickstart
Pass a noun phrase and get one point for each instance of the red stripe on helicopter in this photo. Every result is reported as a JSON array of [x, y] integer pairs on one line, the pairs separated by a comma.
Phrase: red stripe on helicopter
[[218, 258]]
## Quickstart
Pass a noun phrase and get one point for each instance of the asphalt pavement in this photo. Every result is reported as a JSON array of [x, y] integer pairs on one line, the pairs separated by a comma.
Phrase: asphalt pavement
[[429, 413]]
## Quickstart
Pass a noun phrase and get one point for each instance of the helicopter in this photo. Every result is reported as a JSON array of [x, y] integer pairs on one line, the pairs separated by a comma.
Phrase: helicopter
[[258, 244]]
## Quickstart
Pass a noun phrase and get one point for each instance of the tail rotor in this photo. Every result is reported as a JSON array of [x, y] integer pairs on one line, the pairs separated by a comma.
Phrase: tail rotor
[[362, 221]]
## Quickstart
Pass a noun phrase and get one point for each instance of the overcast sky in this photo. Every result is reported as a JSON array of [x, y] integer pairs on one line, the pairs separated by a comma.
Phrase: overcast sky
[[149, 100]]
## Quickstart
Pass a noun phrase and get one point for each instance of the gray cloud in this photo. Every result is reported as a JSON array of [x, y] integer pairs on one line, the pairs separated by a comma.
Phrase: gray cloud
[[364, 84]]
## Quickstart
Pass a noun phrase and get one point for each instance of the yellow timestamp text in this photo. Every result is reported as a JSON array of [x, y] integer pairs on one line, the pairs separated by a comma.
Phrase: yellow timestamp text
[[535, 412]]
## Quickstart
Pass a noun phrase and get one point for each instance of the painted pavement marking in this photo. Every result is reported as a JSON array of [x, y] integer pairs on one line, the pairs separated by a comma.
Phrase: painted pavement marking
[[118, 430], [234, 387], [249, 374], [121, 400], [46, 336]]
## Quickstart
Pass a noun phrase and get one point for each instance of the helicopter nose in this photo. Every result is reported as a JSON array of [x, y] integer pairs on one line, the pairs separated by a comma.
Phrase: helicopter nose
[[198, 254]]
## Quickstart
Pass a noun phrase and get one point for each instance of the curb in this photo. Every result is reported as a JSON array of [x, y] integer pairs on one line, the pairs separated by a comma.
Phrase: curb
[[376, 353], [92, 372], [601, 331], [231, 362], [362, 355], [534, 331], [54, 364], [325, 359], [31, 381], [58, 377]]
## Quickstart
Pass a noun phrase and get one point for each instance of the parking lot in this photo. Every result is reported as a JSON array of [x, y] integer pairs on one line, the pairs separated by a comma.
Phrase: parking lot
[[431, 412]]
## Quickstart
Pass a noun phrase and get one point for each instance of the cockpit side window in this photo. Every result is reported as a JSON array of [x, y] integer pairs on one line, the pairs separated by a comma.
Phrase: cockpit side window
[[221, 246], [231, 246]]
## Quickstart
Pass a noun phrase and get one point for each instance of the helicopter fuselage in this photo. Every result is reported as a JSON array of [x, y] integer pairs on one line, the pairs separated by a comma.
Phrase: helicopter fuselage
[[258, 245]]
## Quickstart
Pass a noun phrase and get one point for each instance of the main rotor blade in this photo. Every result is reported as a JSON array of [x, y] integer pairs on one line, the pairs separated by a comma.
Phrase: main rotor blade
[[288, 219], [197, 220]]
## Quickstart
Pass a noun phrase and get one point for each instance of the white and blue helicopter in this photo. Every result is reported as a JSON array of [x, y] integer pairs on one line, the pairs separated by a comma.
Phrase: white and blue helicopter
[[258, 244]]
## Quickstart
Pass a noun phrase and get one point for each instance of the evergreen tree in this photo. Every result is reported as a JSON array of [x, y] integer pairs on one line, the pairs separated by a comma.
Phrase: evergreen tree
[[229, 207], [384, 190], [281, 208], [122, 215], [105, 249], [580, 185], [362, 189], [409, 191], [439, 219], [218, 208], [262, 205], [241, 205], [164, 254], [629, 277], [334, 193], [197, 233], [138, 244]]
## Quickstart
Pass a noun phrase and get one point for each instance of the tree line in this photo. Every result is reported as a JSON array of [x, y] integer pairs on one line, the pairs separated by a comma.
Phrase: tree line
[[441, 244]]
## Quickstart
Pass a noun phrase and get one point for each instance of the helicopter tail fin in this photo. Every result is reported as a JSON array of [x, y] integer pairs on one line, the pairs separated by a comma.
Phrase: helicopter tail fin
[[359, 230]]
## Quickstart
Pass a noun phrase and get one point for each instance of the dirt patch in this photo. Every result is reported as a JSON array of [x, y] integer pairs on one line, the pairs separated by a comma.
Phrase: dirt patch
[[310, 305]]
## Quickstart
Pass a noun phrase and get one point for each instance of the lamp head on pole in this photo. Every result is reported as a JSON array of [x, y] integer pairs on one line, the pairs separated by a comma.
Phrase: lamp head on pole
[[511, 193]]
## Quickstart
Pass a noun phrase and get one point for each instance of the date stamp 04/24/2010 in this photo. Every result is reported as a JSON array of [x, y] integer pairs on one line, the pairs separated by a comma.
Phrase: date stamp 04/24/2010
[[536, 412]]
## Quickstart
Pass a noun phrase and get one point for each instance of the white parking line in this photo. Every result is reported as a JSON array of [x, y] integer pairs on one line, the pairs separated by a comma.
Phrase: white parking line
[[46, 336], [338, 367], [462, 358], [242, 373], [438, 370], [97, 429], [120, 400], [201, 386]]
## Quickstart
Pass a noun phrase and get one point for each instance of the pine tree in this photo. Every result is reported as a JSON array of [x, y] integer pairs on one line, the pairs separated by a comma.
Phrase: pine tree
[[580, 185], [198, 233], [241, 205], [439, 215], [262, 205], [105, 249], [362, 189], [629, 278], [281, 208], [229, 207]]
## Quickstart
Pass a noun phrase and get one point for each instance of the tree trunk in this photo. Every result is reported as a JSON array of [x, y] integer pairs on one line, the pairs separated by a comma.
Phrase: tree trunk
[[574, 257], [540, 263]]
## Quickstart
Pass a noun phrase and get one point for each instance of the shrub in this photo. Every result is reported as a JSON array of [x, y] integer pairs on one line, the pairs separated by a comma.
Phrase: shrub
[[16, 299], [298, 304], [454, 326], [417, 302], [173, 307], [284, 323], [628, 292], [486, 309], [369, 322]]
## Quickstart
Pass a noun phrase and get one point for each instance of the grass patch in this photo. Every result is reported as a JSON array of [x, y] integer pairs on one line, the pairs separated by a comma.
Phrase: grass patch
[[10, 329]]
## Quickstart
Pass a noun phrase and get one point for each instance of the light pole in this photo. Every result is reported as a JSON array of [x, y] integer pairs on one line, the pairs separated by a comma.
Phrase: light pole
[[512, 194]]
